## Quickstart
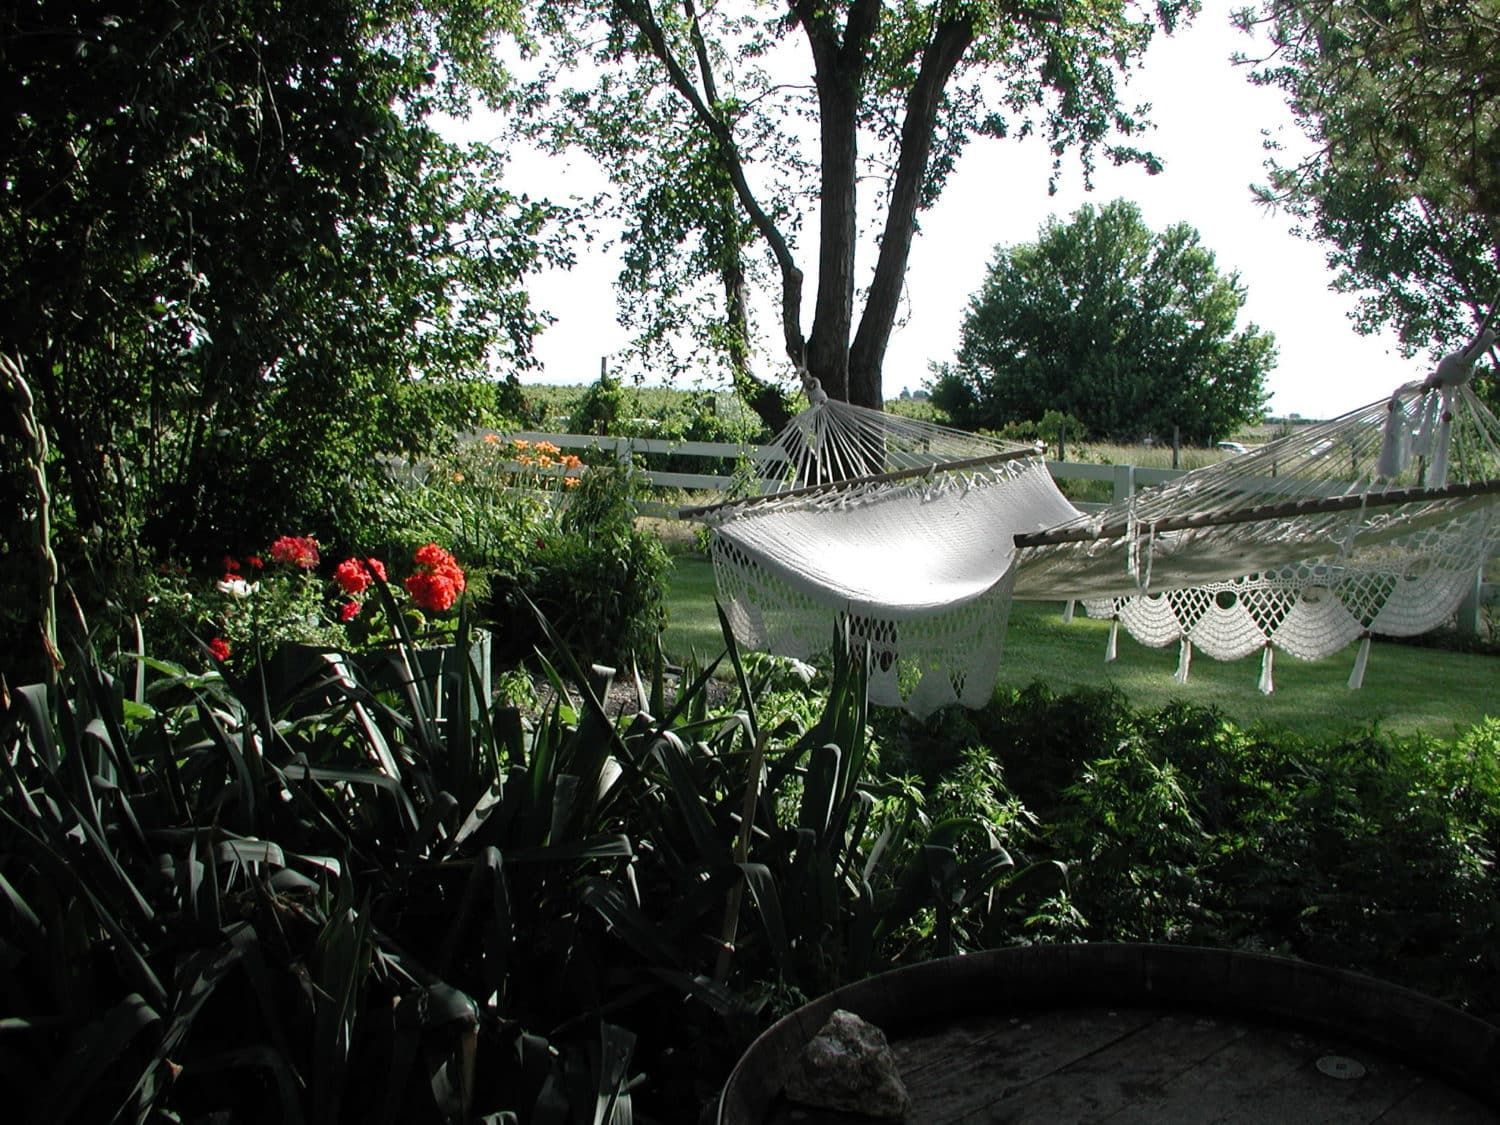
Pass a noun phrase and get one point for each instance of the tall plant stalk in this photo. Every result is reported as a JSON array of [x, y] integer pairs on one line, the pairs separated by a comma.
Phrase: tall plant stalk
[[19, 395]]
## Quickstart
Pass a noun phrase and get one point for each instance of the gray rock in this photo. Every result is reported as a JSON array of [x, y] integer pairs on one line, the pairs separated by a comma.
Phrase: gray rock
[[849, 1066]]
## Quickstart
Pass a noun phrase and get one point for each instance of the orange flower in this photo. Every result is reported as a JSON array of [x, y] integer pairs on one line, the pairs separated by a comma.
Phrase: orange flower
[[491, 439], [546, 447], [571, 462], [572, 482]]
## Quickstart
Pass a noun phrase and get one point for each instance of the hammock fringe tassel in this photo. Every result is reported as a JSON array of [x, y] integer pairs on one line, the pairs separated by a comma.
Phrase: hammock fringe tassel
[[1112, 648], [1267, 667], [1184, 661]]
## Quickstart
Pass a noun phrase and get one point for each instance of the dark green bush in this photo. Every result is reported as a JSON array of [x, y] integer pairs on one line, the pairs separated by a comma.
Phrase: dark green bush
[[1370, 852], [591, 571]]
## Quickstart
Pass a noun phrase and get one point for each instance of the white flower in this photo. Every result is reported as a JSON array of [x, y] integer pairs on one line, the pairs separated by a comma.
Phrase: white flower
[[238, 587]]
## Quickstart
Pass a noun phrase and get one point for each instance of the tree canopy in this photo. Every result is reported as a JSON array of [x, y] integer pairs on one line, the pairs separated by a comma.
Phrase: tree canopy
[[1129, 331], [236, 261], [1401, 101], [725, 127]]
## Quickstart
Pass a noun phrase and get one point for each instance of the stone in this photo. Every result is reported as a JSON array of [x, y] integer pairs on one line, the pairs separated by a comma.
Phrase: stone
[[849, 1066]]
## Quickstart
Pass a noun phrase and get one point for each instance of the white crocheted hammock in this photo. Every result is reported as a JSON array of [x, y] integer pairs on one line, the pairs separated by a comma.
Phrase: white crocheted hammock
[[919, 536]]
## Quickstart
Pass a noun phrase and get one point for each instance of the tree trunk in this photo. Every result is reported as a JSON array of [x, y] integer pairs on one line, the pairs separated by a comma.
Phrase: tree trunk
[[833, 313], [867, 356], [766, 399]]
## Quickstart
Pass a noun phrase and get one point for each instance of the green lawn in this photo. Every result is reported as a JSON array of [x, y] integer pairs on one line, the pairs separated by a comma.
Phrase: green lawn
[[1406, 689]]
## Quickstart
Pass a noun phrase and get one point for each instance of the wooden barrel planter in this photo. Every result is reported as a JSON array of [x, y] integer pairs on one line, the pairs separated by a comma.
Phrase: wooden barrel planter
[[1118, 1032]]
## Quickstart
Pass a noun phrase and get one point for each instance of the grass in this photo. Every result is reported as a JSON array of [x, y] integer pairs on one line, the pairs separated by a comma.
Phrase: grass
[[1406, 690]]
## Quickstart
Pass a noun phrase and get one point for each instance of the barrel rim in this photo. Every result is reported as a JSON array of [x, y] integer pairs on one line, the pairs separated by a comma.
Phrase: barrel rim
[[1405, 1024]]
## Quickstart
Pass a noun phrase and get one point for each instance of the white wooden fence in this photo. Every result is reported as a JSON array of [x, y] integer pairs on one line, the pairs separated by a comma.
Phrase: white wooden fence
[[1124, 479]]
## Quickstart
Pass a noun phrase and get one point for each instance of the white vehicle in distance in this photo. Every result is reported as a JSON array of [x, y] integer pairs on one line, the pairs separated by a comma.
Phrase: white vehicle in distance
[[1231, 447]]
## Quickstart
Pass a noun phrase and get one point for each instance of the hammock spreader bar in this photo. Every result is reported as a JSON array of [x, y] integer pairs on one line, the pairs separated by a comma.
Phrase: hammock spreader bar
[[1257, 512], [856, 482]]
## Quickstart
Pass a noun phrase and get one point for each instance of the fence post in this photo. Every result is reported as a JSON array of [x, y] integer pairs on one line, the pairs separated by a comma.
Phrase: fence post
[[1124, 482], [1470, 619]]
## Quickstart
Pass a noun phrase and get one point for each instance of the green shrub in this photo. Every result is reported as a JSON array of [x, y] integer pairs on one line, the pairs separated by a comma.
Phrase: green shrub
[[590, 570], [1374, 852], [538, 525]]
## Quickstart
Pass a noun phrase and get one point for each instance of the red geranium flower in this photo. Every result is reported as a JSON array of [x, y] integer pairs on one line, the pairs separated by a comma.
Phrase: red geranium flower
[[352, 576], [349, 611], [231, 565], [219, 649], [438, 580], [432, 592], [298, 550], [255, 562]]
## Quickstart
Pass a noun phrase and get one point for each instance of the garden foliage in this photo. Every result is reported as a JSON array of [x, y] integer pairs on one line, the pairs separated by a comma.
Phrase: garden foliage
[[1366, 851], [297, 894], [239, 266]]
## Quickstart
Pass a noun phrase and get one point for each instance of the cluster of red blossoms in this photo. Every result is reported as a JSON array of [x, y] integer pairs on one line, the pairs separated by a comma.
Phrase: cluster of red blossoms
[[438, 579], [353, 576], [298, 550], [434, 586]]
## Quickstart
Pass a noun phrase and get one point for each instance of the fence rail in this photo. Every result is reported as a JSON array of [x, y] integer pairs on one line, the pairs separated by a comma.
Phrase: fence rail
[[1124, 479]]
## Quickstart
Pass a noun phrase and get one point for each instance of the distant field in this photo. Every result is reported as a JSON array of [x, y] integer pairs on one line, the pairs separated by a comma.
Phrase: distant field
[[1406, 690]]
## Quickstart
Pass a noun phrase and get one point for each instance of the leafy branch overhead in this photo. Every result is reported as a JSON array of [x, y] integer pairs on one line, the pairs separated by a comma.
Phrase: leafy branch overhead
[[725, 129], [1401, 105], [236, 259]]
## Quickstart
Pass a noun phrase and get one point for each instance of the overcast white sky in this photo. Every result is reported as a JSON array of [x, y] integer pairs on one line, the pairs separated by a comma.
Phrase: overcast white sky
[[1208, 121]]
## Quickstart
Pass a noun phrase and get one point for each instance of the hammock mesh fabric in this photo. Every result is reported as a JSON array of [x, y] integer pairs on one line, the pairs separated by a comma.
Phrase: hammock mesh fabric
[[919, 536]]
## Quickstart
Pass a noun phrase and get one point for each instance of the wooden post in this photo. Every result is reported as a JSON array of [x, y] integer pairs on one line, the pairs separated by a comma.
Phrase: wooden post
[[1176, 446], [1471, 610]]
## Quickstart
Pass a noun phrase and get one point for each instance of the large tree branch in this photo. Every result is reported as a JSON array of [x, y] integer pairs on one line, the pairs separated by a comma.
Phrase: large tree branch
[[949, 42], [645, 21]]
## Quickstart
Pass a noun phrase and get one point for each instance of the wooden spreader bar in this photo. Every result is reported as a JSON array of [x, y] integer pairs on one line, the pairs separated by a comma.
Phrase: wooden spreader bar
[[839, 485], [1282, 510]]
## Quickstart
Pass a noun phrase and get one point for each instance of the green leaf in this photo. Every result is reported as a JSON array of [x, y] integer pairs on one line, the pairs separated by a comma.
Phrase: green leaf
[[90, 1056], [612, 1101], [713, 849], [629, 923], [767, 900]]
